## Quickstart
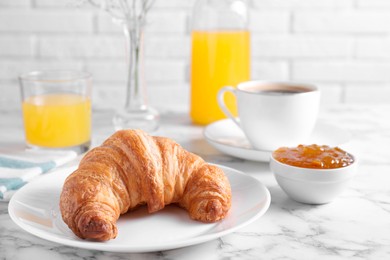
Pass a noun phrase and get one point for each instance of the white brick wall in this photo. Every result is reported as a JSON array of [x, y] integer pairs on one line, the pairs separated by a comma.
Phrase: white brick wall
[[350, 21], [341, 45], [45, 21]]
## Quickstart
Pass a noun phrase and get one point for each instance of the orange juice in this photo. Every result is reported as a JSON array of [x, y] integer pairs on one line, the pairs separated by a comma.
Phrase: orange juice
[[57, 120], [219, 58]]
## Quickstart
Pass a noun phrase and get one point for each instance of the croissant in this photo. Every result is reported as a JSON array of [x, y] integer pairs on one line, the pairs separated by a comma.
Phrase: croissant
[[132, 168]]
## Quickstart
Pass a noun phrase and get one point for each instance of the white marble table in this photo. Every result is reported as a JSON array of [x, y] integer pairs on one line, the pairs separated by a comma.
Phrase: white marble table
[[356, 225]]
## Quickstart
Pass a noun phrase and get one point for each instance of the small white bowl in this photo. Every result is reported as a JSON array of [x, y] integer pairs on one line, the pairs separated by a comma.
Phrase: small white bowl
[[312, 186]]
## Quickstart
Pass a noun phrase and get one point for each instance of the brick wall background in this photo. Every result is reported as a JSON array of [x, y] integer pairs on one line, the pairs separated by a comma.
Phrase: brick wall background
[[343, 46]]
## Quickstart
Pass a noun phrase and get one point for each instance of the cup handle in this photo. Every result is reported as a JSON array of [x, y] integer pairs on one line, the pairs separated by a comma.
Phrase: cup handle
[[221, 103]]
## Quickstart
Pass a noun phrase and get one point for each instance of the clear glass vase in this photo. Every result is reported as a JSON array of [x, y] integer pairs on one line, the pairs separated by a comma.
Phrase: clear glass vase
[[136, 113]]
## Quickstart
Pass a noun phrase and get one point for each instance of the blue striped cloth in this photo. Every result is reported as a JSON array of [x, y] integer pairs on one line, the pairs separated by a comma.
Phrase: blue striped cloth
[[20, 167]]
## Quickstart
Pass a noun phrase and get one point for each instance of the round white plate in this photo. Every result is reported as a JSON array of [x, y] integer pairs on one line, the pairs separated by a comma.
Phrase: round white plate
[[228, 138], [35, 209]]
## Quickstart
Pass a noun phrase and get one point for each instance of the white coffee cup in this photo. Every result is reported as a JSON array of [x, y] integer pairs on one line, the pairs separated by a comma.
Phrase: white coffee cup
[[274, 114]]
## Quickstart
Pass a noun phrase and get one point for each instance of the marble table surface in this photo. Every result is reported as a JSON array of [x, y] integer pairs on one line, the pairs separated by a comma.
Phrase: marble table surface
[[354, 226]]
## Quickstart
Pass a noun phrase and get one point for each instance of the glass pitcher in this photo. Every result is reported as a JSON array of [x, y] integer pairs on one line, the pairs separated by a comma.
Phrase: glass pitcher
[[220, 55]]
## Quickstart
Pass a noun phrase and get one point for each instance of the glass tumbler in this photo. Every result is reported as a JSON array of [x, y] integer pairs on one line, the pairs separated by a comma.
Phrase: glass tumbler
[[56, 108]]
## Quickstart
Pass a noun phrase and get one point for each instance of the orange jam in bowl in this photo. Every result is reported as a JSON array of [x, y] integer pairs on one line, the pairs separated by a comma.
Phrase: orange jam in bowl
[[313, 156]]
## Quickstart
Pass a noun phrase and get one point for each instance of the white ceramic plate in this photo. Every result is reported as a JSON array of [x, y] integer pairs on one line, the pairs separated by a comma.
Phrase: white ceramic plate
[[228, 138], [35, 209]]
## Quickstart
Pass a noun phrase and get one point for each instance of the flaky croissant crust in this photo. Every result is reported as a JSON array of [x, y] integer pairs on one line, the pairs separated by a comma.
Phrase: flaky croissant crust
[[132, 168]]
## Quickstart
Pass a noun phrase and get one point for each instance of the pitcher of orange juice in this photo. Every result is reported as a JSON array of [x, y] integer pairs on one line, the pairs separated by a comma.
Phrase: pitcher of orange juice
[[220, 55]]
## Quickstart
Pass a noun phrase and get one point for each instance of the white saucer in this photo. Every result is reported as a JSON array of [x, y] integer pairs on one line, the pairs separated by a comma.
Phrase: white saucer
[[228, 138]]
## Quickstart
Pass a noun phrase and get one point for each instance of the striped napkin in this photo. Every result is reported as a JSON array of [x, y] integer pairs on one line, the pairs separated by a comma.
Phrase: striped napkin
[[21, 166]]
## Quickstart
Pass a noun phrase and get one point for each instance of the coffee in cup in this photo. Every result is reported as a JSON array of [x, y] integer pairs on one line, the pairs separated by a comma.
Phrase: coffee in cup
[[274, 114]]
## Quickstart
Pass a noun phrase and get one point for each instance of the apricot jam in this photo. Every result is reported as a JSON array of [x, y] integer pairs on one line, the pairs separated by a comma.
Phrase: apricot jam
[[313, 156]]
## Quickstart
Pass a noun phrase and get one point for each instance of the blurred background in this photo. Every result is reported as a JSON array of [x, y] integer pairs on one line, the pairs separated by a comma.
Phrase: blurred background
[[343, 46]]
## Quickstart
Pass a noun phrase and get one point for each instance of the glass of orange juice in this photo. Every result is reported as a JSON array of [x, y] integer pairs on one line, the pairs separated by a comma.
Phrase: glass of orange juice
[[56, 108]]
